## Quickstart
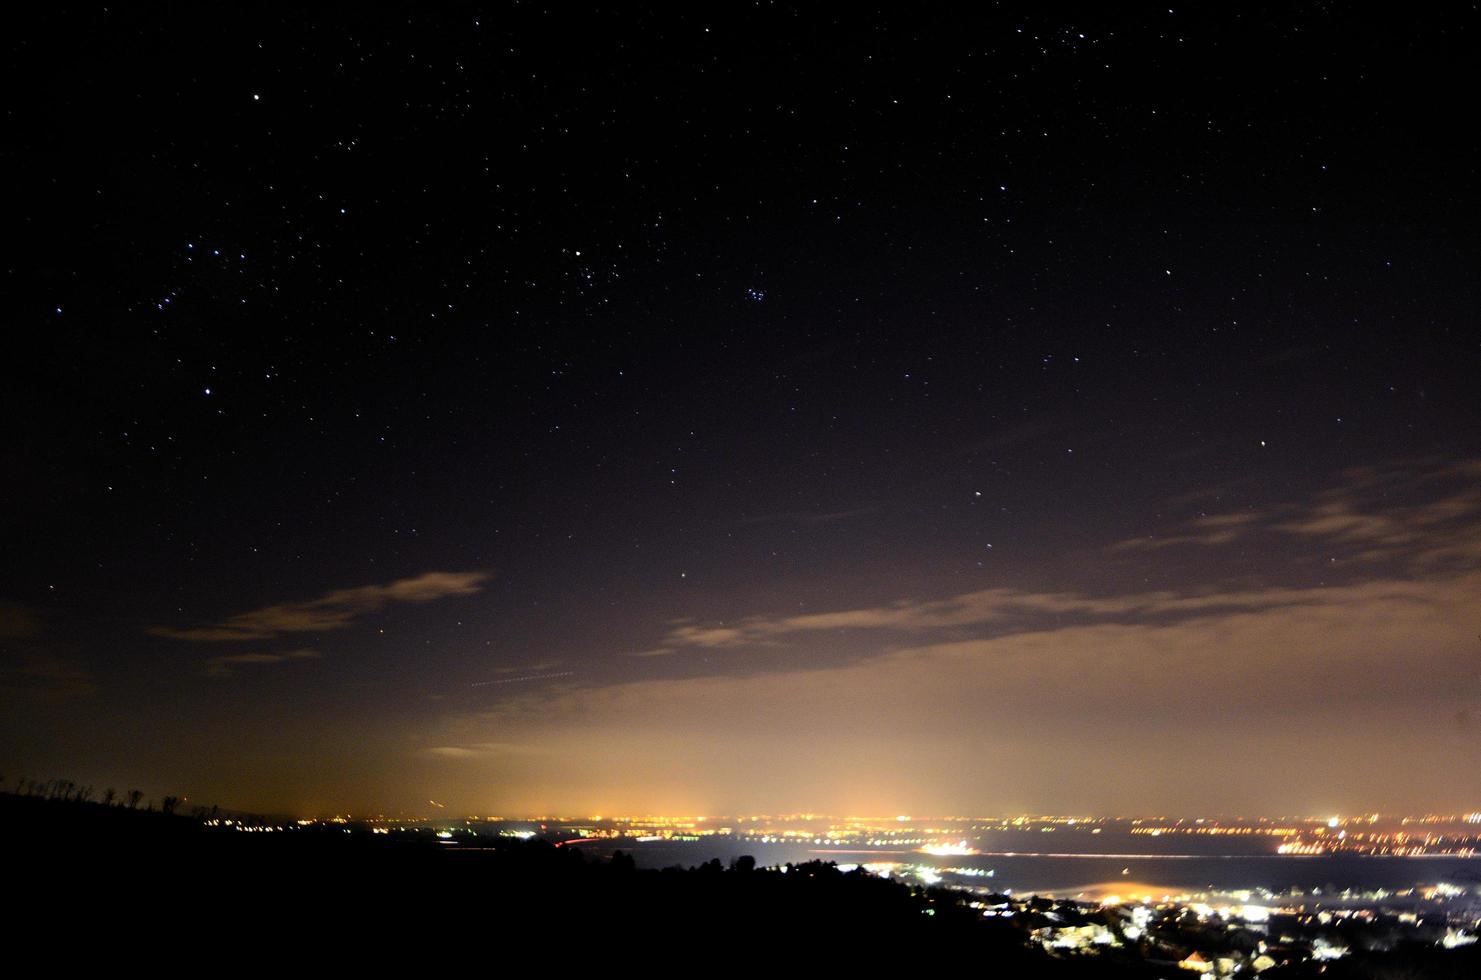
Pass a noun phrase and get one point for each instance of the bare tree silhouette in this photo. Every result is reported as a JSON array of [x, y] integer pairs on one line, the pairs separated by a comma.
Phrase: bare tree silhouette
[[134, 797]]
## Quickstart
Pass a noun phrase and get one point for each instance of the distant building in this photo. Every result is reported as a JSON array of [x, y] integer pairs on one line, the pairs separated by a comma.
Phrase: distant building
[[1195, 961]]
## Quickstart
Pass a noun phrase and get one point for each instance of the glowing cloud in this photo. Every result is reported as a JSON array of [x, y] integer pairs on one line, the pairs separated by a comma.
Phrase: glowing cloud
[[332, 611]]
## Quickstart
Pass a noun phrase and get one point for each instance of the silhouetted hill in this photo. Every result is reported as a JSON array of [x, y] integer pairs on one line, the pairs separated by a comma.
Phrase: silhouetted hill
[[168, 884], [171, 889]]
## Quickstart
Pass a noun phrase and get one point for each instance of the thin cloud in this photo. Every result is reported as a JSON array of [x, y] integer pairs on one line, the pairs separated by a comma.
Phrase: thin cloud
[[717, 636], [46, 676], [654, 652], [812, 517], [1416, 519], [524, 678], [17, 622], [1108, 711], [1209, 530], [226, 666], [29, 670], [983, 607], [538, 667], [482, 750], [1420, 513], [332, 611]]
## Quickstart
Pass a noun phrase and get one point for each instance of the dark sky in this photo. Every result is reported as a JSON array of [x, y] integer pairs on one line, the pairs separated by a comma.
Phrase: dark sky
[[533, 408]]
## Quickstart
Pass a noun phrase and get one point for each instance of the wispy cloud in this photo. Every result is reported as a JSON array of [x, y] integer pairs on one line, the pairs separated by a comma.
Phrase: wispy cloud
[[983, 607], [1103, 711], [1095, 699], [46, 676], [525, 678], [332, 611], [653, 652], [483, 750], [812, 517], [1441, 528], [27, 668], [537, 667], [227, 666], [1214, 529], [1421, 518], [749, 632], [1424, 514], [17, 622]]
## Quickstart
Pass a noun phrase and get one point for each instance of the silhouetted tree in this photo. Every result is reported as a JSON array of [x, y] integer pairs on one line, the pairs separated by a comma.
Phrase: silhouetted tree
[[134, 797], [108, 795], [168, 804]]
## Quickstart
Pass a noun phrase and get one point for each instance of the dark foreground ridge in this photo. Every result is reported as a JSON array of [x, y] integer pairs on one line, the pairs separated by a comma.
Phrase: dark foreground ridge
[[113, 878]]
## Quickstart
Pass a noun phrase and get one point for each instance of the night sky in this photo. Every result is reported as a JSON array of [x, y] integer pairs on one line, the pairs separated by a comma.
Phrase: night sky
[[538, 409]]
